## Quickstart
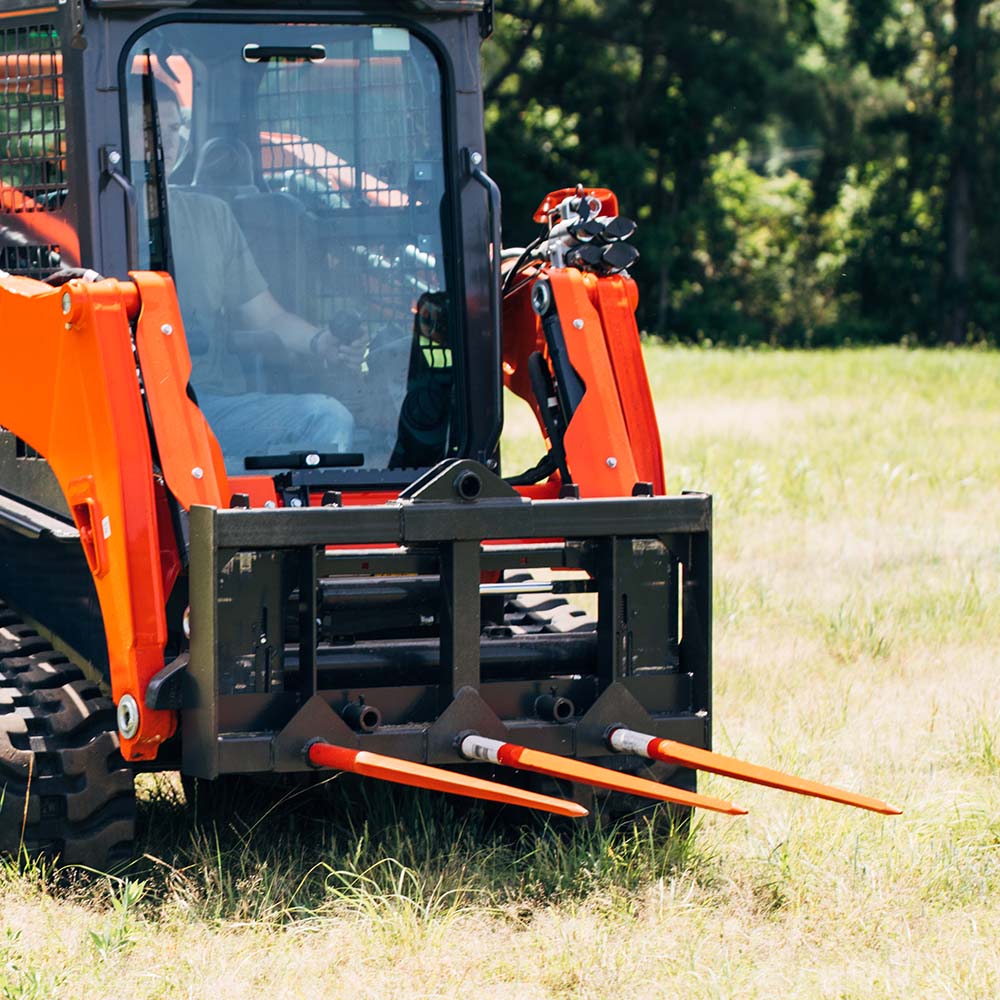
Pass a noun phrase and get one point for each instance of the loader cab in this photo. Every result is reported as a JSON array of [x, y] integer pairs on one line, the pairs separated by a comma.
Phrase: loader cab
[[318, 155]]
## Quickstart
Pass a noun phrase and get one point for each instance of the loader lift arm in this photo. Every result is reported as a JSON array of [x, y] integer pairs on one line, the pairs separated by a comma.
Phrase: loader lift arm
[[87, 418]]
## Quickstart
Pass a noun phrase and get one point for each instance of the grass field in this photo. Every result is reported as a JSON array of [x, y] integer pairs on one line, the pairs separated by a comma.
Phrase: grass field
[[857, 546]]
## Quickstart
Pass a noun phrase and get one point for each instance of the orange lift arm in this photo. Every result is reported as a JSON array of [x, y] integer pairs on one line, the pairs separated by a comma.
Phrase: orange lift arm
[[597, 318], [189, 453], [86, 419]]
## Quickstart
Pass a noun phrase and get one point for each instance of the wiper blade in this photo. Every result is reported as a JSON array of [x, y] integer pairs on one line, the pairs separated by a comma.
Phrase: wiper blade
[[159, 228], [304, 460]]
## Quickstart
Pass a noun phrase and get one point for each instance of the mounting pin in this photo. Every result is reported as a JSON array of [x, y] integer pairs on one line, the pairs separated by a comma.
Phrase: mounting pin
[[578, 324], [541, 297], [67, 303], [611, 461], [128, 716], [198, 472], [167, 329]]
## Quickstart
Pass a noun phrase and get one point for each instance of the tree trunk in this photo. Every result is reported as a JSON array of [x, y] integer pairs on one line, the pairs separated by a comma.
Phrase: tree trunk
[[960, 200]]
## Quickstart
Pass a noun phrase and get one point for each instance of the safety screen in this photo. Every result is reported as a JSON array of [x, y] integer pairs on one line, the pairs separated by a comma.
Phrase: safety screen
[[33, 260], [32, 148], [305, 196], [32, 120], [372, 125], [357, 137]]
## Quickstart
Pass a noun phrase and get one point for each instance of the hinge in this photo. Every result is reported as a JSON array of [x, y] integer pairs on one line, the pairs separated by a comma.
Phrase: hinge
[[486, 20]]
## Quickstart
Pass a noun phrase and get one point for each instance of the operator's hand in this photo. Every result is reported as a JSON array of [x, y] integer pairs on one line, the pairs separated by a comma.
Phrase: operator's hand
[[352, 353], [341, 354]]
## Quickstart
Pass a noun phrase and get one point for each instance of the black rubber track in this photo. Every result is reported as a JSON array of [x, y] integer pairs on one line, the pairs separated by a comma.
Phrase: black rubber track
[[529, 613], [59, 747]]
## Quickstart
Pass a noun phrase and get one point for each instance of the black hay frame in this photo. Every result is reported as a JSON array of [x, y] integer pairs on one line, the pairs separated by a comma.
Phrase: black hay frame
[[265, 674]]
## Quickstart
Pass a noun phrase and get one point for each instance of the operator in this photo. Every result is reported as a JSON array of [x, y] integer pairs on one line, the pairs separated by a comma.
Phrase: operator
[[217, 278]]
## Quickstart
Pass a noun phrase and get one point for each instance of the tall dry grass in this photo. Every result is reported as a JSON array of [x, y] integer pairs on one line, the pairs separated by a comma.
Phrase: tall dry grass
[[857, 507]]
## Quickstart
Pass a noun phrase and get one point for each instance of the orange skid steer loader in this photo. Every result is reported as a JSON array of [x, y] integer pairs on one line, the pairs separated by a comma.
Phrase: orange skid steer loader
[[256, 325]]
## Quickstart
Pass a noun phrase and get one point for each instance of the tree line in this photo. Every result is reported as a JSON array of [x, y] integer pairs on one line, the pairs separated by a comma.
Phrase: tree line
[[802, 171]]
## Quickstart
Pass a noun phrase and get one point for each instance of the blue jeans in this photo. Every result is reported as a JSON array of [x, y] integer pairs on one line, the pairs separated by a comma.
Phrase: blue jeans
[[259, 423]]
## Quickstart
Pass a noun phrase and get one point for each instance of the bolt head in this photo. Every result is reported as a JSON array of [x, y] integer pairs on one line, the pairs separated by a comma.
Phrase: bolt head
[[541, 297], [198, 472], [295, 502], [312, 459], [270, 504], [476, 159], [128, 716], [611, 461], [578, 324], [166, 329], [114, 157], [67, 303]]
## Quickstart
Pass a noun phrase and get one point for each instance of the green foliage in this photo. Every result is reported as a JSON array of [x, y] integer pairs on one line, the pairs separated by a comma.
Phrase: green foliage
[[119, 933], [814, 172], [757, 284], [639, 99], [19, 978]]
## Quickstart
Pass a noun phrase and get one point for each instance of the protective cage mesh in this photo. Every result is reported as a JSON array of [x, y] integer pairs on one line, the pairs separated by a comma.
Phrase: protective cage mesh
[[358, 140], [32, 120], [364, 147], [32, 145], [32, 259]]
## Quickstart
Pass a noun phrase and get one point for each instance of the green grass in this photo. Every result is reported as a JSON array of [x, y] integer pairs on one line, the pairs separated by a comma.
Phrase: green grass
[[857, 548]]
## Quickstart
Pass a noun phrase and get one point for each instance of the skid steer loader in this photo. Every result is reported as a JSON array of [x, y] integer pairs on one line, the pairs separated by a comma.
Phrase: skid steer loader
[[256, 324]]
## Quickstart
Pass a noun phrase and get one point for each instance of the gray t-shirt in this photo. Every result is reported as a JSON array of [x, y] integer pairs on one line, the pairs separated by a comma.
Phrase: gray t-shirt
[[215, 274]]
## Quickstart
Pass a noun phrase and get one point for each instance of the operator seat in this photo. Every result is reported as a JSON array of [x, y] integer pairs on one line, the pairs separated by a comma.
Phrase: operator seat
[[224, 169], [276, 225], [281, 236]]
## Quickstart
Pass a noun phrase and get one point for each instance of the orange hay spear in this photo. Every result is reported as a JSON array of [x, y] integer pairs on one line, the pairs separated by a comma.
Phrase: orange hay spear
[[511, 755], [671, 752], [405, 772]]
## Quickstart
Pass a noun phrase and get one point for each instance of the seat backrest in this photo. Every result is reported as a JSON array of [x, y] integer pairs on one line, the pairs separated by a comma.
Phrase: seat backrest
[[224, 169], [278, 230]]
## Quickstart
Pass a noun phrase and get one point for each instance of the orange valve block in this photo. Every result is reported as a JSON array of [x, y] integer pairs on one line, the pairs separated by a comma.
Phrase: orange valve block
[[672, 752], [476, 747], [437, 779]]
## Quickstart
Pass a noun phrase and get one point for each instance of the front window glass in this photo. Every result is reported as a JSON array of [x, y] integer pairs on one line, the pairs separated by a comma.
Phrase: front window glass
[[292, 178]]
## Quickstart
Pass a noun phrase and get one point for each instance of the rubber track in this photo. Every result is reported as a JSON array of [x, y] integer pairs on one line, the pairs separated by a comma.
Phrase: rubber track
[[534, 613], [58, 732]]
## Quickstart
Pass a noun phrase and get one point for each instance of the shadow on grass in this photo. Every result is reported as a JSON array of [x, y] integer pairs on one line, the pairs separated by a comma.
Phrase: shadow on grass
[[249, 853], [254, 853]]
